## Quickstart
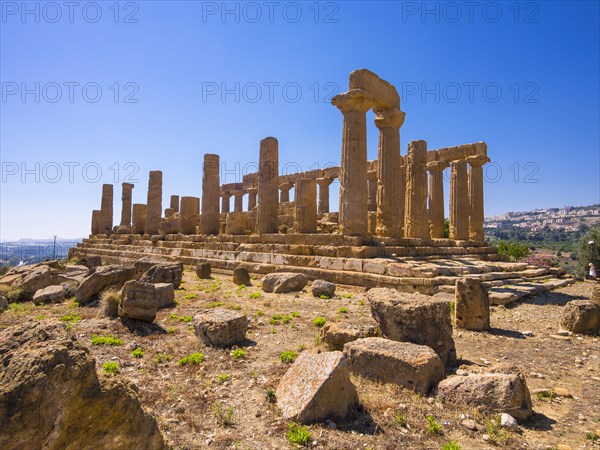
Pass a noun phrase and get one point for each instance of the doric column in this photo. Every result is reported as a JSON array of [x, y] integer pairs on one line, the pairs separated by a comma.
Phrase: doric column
[[372, 190], [238, 202], [459, 201], [174, 203], [402, 200], [96, 221], [436, 198], [139, 218], [389, 191], [225, 196], [306, 206], [209, 220], [106, 206], [353, 171], [251, 198], [154, 203], [285, 187], [126, 204], [268, 177], [324, 194], [188, 215], [476, 215], [416, 223]]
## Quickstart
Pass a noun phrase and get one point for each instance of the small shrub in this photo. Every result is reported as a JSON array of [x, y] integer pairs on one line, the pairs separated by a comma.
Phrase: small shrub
[[255, 295], [433, 427], [222, 378], [343, 310], [237, 307], [295, 314], [12, 293], [512, 250], [270, 395], [194, 358], [288, 356], [109, 303], [452, 445], [319, 321], [298, 434], [546, 395], [259, 313], [239, 353], [171, 330], [138, 353], [497, 434], [71, 317], [191, 296], [161, 358], [346, 295], [186, 319], [401, 418], [215, 304], [225, 416], [286, 319], [109, 339], [592, 436], [324, 297], [452, 308], [110, 367], [19, 308]]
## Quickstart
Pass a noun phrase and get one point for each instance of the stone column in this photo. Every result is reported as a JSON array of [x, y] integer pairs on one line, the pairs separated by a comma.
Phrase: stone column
[[139, 218], [389, 191], [306, 206], [154, 203], [476, 216], [209, 220], [169, 212], [238, 203], [225, 196], [268, 177], [324, 194], [416, 222], [126, 204], [372, 190], [106, 208], [353, 171], [402, 200], [285, 191], [459, 200], [174, 204], [251, 198], [436, 198], [96, 221], [188, 215]]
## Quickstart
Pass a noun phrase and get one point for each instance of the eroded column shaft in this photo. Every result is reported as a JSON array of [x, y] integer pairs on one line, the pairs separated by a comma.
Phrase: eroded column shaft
[[306, 206], [268, 177], [154, 203], [459, 200], [209, 220], [189, 215], [416, 222], [126, 204], [436, 198]]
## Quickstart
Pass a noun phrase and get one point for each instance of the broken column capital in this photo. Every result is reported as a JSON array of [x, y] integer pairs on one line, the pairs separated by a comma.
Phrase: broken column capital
[[324, 181], [435, 166], [389, 118], [353, 100], [477, 160]]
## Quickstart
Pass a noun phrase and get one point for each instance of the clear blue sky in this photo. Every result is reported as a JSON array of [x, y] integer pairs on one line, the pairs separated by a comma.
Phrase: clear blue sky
[[524, 79]]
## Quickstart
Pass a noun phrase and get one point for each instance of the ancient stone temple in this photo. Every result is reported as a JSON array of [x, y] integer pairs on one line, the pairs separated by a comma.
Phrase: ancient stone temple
[[391, 210]]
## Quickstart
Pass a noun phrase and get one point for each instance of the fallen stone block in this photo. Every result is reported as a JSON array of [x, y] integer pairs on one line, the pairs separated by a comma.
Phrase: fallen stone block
[[220, 327], [101, 277], [164, 273], [323, 288], [415, 318], [203, 270], [581, 316], [316, 387], [50, 294], [241, 277], [472, 305], [90, 261], [283, 282], [164, 294], [414, 367], [138, 301], [336, 334]]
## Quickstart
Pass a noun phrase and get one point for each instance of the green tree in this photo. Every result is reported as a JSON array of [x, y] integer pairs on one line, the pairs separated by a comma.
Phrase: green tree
[[589, 251], [446, 228], [512, 250]]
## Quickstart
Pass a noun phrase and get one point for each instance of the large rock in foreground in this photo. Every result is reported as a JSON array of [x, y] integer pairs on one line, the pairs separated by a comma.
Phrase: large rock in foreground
[[415, 318], [138, 301], [493, 393], [164, 273], [337, 334], [283, 282], [415, 367], [581, 316], [316, 387], [51, 397], [472, 305], [50, 294], [220, 327], [100, 278]]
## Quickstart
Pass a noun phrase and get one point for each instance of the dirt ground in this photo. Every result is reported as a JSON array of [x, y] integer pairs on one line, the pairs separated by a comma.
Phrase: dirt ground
[[222, 402]]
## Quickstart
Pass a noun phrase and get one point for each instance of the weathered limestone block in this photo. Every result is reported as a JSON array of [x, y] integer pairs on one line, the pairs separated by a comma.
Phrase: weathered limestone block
[[164, 294], [164, 273], [490, 392], [220, 327], [138, 301], [581, 316], [306, 206], [154, 203], [316, 387], [189, 216], [174, 203], [127, 189], [36, 278], [100, 278], [241, 276], [3, 303], [203, 270], [336, 334], [268, 177], [139, 218], [472, 305], [209, 220], [416, 222], [415, 318], [283, 282], [235, 223], [50, 294], [322, 287], [415, 367], [595, 298], [52, 398], [142, 266], [169, 225]]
